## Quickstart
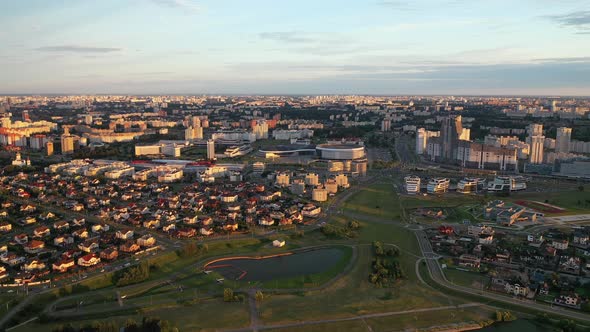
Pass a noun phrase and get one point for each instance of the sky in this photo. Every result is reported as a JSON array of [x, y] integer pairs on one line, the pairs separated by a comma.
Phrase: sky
[[382, 47]]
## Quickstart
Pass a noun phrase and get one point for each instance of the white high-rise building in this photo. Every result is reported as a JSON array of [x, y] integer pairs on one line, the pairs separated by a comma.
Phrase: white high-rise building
[[535, 129], [193, 133], [536, 140], [536, 149], [67, 144], [386, 124], [563, 140], [422, 137], [210, 149], [260, 129]]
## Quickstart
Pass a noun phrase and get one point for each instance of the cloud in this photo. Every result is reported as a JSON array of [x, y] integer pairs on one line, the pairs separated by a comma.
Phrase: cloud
[[579, 20], [396, 4], [77, 49], [286, 36], [188, 6]]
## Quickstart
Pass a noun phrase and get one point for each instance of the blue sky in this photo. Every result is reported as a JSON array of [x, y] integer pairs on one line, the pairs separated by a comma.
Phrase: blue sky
[[295, 46]]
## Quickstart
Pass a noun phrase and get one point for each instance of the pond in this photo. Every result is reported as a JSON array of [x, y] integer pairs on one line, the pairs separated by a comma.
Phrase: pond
[[277, 267]]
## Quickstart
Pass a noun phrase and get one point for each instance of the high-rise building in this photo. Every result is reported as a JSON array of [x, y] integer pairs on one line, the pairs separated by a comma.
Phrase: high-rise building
[[49, 147], [26, 117], [450, 133], [536, 150], [563, 140], [535, 129], [386, 124], [536, 140], [422, 137], [67, 144], [193, 133], [260, 129], [211, 149], [6, 123]]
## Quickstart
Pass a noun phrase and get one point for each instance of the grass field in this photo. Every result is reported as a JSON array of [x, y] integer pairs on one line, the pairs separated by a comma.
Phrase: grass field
[[353, 295], [207, 315], [377, 200], [464, 278], [574, 201]]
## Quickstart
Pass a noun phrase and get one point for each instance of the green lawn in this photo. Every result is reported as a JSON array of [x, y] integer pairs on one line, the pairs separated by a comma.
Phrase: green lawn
[[445, 200], [377, 200], [574, 201], [207, 315], [465, 278], [348, 326], [353, 295]]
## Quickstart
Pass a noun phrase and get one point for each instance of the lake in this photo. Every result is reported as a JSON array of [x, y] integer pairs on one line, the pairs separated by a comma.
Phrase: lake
[[277, 267]]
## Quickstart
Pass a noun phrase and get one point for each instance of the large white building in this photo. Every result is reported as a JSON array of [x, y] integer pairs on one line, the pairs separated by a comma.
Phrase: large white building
[[282, 134], [341, 151]]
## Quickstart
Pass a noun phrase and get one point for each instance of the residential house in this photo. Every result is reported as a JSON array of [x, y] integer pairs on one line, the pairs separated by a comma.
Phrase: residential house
[[186, 232], [560, 244], [109, 254], [88, 260], [41, 231], [129, 247], [63, 240], [63, 265], [124, 234], [5, 227], [99, 228], [146, 241], [311, 211], [61, 225], [34, 265], [572, 300], [206, 231], [81, 233], [89, 245], [34, 246]]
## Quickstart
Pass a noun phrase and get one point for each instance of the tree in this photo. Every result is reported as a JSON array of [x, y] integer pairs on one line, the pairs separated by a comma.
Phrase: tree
[[228, 295], [581, 188]]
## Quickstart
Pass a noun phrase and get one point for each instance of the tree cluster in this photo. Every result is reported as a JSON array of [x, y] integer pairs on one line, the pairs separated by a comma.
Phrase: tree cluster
[[133, 275], [504, 316], [230, 296], [146, 325], [193, 249], [385, 268], [348, 231]]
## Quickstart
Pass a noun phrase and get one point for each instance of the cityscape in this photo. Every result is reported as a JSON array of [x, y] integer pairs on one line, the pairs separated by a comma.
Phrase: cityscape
[[298, 167]]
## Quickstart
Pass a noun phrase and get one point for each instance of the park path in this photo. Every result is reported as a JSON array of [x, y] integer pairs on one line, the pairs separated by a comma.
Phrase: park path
[[253, 309], [361, 317]]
